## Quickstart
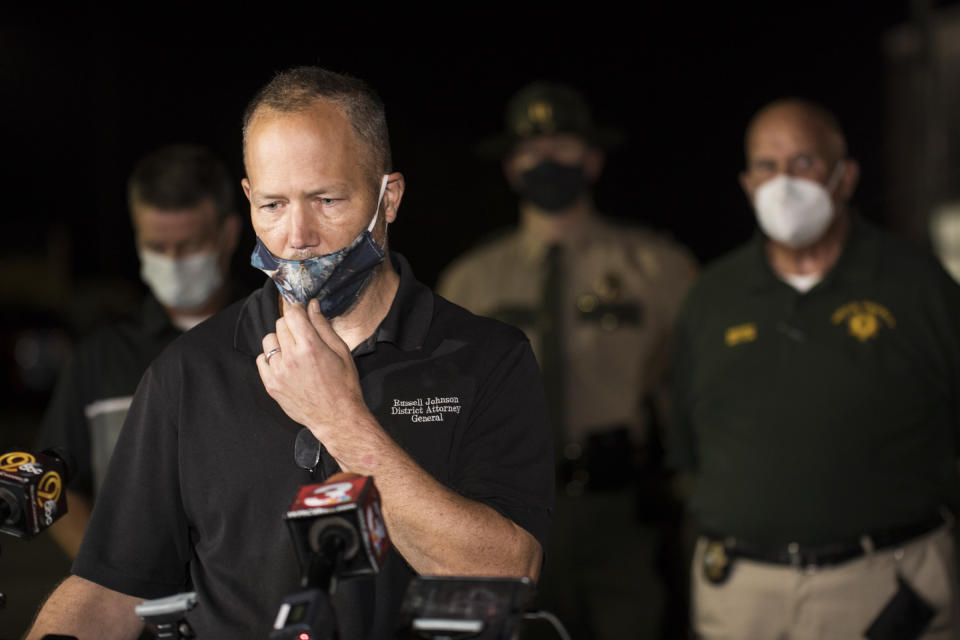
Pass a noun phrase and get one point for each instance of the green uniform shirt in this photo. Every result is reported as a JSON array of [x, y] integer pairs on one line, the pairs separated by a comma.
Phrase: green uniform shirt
[[818, 417]]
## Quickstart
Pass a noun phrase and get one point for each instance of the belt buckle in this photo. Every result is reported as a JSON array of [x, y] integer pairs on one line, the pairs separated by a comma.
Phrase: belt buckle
[[716, 562]]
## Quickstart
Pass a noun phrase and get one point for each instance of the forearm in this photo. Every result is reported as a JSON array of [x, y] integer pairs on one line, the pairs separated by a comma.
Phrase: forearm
[[315, 382], [68, 531], [87, 611], [438, 531]]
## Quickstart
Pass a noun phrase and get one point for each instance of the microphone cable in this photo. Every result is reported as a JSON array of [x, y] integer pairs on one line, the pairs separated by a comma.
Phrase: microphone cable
[[552, 619]]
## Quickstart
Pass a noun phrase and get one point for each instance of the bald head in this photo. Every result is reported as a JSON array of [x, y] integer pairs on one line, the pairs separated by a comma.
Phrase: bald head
[[799, 139], [802, 117]]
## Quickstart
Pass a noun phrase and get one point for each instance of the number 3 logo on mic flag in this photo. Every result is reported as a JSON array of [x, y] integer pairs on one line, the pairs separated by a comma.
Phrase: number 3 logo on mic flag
[[328, 494]]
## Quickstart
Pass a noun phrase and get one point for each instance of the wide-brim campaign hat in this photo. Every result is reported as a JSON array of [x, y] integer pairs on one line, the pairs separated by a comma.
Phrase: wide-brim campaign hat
[[547, 108]]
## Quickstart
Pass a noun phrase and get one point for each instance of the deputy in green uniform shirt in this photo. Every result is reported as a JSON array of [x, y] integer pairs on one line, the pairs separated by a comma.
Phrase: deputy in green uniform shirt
[[816, 406]]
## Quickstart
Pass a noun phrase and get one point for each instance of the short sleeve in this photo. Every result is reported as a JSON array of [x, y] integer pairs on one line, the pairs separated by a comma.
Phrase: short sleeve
[[64, 425], [137, 542], [506, 457], [951, 298]]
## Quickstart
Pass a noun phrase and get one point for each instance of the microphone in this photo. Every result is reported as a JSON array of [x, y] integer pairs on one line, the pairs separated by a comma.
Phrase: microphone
[[339, 524], [32, 493], [338, 531]]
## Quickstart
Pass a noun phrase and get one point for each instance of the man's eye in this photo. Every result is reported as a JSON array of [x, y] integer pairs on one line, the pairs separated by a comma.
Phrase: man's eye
[[271, 206], [327, 201], [762, 166]]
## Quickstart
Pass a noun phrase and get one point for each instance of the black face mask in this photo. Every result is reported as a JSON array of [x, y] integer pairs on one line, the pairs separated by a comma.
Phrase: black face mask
[[552, 186]]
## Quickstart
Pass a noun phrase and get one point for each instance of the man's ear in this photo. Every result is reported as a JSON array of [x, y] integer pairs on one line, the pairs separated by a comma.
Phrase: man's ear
[[593, 163], [746, 184], [511, 172], [849, 179], [230, 233], [392, 196], [246, 187]]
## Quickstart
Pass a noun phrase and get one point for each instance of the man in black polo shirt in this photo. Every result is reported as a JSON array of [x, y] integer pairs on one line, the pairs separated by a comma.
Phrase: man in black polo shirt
[[444, 409], [816, 406]]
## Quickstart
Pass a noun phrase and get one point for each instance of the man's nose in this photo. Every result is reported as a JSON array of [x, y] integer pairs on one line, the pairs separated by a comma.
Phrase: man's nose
[[171, 251], [302, 232], [784, 168]]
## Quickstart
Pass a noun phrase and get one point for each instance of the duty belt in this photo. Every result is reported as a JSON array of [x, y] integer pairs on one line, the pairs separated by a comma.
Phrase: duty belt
[[725, 549]]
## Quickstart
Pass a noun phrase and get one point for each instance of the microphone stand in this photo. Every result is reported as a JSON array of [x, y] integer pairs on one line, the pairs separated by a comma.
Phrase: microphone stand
[[310, 611], [324, 565], [169, 615]]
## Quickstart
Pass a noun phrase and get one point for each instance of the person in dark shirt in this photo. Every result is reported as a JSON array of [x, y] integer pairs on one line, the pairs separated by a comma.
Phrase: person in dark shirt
[[816, 408], [445, 410], [186, 227]]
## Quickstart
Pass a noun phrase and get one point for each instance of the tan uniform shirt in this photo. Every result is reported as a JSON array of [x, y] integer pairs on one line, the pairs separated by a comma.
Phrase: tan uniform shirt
[[622, 289]]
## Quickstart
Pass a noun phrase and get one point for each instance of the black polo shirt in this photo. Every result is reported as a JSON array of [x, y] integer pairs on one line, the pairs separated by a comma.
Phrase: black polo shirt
[[818, 417], [95, 389], [205, 463]]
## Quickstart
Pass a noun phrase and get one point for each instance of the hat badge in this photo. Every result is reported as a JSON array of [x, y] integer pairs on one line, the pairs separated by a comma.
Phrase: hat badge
[[539, 117]]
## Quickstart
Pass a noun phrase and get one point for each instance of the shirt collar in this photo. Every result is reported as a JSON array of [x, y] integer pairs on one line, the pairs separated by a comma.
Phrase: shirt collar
[[153, 318], [858, 261], [534, 248], [405, 325]]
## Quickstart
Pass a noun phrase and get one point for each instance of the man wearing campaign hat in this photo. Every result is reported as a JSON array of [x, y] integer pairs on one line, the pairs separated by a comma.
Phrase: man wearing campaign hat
[[597, 300]]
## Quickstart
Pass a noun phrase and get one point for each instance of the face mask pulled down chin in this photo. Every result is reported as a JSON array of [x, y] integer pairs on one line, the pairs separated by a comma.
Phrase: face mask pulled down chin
[[795, 212], [181, 283], [335, 279], [552, 186]]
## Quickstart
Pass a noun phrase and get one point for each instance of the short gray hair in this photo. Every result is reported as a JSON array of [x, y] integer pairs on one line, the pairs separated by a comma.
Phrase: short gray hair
[[299, 88]]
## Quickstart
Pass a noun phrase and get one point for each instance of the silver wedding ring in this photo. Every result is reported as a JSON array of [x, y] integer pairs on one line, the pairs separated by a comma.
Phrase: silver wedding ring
[[271, 353]]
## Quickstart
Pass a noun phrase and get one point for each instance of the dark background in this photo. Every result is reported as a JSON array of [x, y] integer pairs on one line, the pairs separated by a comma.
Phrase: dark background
[[81, 100], [80, 105]]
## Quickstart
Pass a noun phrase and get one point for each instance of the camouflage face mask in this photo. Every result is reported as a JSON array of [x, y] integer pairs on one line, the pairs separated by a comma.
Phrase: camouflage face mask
[[335, 279]]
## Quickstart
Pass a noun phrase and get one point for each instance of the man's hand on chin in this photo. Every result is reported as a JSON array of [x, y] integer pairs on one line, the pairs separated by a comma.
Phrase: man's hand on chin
[[312, 376]]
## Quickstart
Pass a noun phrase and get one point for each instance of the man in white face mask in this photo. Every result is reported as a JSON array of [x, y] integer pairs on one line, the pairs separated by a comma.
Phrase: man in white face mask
[[186, 228], [799, 180], [815, 409]]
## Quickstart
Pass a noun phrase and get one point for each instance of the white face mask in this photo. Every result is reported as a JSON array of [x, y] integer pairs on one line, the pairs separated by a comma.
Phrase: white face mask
[[945, 234], [795, 211], [181, 283]]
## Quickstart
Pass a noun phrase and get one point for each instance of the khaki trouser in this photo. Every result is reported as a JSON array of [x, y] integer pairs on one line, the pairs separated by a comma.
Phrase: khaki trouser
[[776, 602]]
